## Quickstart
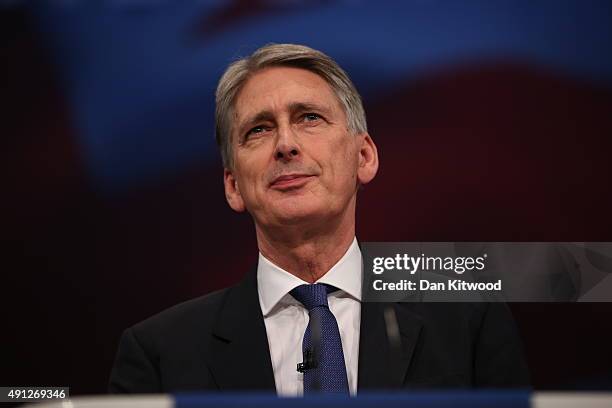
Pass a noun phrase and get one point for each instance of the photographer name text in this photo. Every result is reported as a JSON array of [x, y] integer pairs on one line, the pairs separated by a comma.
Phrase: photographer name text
[[426, 285]]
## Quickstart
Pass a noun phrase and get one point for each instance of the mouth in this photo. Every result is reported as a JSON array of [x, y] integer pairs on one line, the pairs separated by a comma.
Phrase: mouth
[[290, 181]]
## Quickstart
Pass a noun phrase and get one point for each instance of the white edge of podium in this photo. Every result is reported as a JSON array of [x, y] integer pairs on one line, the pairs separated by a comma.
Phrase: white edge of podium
[[571, 400], [135, 401]]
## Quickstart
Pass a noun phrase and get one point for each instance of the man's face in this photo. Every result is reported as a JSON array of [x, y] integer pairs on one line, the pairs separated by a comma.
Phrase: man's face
[[295, 160]]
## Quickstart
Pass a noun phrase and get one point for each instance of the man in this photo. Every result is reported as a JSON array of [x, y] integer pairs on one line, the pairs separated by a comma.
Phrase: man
[[295, 148]]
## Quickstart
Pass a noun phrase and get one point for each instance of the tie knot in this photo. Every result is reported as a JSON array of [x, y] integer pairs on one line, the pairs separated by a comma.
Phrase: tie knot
[[312, 296]]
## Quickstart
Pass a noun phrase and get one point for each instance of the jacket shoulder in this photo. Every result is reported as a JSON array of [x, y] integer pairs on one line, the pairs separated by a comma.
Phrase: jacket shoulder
[[155, 354], [188, 321]]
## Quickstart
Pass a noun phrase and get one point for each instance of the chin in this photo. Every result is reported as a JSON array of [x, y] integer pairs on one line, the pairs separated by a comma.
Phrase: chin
[[299, 214]]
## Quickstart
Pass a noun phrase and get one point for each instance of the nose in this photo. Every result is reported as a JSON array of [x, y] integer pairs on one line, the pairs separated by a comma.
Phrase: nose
[[287, 147]]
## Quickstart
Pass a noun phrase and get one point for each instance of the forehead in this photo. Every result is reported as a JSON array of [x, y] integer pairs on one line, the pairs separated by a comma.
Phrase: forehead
[[275, 88]]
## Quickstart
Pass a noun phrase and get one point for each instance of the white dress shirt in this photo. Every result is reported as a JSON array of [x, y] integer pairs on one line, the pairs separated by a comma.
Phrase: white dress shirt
[[286, 318]]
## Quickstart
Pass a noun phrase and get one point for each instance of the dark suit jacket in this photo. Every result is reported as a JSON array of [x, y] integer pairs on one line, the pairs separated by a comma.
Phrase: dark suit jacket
[[219, 342]]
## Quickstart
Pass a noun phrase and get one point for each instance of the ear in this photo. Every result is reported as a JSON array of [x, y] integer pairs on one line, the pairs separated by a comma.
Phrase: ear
[[368, 159], [232, 192]]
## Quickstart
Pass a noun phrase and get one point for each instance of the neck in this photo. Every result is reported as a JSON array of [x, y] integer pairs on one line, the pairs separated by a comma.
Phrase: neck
[[308, 253]]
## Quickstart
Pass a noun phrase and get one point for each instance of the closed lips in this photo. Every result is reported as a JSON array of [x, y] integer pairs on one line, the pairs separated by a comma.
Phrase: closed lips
[[288, 177]]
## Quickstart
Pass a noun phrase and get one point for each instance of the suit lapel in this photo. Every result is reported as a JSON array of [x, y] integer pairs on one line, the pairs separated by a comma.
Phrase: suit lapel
[[240, 357], [382, 364]]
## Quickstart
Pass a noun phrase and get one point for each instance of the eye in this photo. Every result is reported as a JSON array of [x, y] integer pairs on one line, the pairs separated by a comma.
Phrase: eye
[[311, 117], [255, 130]]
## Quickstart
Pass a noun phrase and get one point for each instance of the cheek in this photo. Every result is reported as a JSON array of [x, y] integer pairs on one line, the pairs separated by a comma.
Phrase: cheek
[[347, 157], [246, 182], [342, 163], [252, 181]]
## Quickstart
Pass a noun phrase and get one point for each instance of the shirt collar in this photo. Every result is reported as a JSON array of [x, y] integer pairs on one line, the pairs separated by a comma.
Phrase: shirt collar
[[274, 283]]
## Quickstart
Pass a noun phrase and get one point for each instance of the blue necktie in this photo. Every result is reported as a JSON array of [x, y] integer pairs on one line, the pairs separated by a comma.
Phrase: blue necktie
[[322, 344]]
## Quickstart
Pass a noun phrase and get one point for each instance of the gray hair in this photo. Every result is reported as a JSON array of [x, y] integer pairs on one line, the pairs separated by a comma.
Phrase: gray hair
[[289, 55]]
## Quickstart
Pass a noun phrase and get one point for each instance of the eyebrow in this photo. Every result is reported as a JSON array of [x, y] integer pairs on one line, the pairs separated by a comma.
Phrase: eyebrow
[[267, 115]]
